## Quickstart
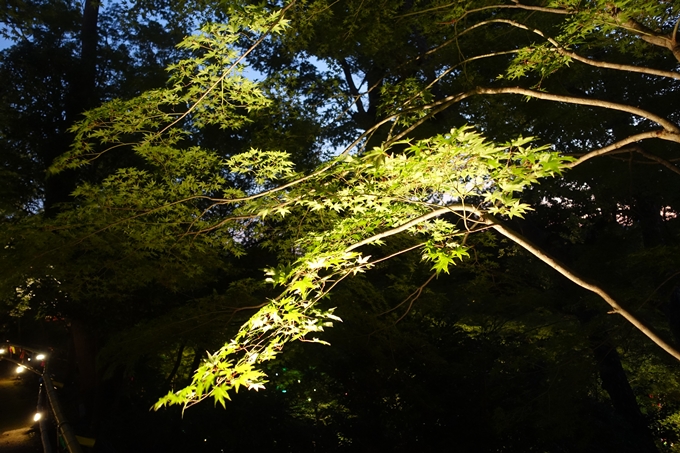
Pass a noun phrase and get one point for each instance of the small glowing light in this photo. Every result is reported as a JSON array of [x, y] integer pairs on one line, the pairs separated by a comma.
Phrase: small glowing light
[[40, 357], [309, 399], [37, 416], [29, 359], [2, 350], [284, 391], [20, 369]]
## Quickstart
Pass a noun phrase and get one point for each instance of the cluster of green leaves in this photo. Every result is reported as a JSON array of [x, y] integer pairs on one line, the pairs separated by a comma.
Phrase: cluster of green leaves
[[264, 166], [173, 188], [405, 101], [500, 318], [604, 16], [435, 191], [206, 89], [541, 58], [371, 197]]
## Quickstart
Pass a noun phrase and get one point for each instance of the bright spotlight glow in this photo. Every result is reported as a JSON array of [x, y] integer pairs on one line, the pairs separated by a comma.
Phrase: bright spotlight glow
[[37, 416], [20, 369], [2, 350], [40, 357]]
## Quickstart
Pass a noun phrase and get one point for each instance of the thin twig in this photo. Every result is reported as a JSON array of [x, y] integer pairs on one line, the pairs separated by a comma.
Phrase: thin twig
[[411, 297]]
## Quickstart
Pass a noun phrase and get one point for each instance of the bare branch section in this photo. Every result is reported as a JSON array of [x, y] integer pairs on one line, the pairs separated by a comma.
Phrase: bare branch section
[[619, 67], [671, 131], [669, 165], [405, 226], [538, 253], [410, 299], [663, 122], [650, 36], [622, 145], [571, 275]]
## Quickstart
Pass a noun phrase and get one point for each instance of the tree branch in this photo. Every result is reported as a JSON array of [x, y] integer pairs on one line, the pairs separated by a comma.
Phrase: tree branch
[[406, 226], [619, 67], [599, 64], [571, 275], [671, 133], [516, 5], [664, 135], [413, 297], [650, 36], [352, 87], [638, 149], [538, 253], [667, 125]]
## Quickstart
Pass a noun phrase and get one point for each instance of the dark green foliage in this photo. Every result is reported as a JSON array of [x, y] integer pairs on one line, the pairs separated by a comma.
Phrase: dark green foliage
[[182, 191]]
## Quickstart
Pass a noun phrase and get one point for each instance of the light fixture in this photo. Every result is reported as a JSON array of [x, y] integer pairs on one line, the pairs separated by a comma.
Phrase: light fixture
[[20, 369], [40, 357], [37, 416], [2, 350]]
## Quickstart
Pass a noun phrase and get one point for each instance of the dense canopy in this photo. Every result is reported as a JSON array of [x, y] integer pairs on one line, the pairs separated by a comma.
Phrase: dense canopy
[[471, 208]]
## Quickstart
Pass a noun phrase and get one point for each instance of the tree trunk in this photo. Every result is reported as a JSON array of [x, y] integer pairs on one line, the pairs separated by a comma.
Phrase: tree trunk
[[615, 383], [80, 97], [85, 350], [674, 313], [648, 214], [178, 362]]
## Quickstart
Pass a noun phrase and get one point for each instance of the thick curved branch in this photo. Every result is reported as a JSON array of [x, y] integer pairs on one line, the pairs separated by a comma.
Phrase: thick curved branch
[[574, 56], [650, 36], [663, 122], [538, 253], [621, 145], [620, 148], [571, 275], [405, 226], [672, 131], [619, 67]]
